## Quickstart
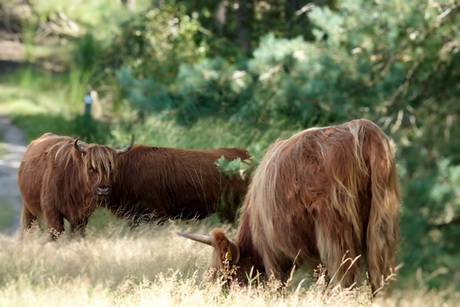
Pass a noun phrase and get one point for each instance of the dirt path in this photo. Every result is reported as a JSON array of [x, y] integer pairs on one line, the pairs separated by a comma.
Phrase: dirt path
[[14, 147]]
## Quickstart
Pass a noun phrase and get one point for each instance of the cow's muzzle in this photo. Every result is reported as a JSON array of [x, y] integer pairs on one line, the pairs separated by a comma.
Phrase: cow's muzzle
[[102, 191]]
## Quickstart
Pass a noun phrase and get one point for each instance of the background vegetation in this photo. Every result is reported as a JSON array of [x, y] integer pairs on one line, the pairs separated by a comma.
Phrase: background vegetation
[[204, 74]]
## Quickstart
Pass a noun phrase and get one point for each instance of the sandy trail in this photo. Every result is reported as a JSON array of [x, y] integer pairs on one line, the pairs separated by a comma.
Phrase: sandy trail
[[14, 147]]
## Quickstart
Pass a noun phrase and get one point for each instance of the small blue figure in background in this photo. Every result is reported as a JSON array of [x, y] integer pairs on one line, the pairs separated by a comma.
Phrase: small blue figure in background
[[88, 101]]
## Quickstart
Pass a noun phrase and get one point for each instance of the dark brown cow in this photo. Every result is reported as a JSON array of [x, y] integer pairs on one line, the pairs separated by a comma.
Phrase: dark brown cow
[[320, 195], [159, 182], [60, 178]]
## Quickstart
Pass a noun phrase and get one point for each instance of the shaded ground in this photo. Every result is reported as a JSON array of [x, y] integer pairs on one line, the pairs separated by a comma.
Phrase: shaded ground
[[13, 148]]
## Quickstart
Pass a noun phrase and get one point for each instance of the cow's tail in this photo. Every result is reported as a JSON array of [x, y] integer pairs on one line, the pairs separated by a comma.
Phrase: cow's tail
[[383, 227]]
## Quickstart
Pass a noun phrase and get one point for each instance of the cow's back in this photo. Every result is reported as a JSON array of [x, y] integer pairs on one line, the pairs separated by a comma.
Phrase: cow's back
[[172, 182]]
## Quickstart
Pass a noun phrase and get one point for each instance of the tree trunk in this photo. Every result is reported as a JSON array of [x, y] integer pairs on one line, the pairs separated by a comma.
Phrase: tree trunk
[[244, 18]]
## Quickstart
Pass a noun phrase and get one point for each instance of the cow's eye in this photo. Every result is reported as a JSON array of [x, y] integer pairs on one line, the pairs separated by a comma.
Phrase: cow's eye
[[92, 169]]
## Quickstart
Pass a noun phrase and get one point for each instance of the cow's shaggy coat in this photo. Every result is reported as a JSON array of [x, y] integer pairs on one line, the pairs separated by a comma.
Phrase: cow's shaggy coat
[[317, 197], [160, 182], [60, 178]]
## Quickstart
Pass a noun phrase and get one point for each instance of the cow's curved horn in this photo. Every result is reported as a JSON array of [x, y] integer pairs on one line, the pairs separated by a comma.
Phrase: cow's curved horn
[[196, 237], [125, 149], [78, 147]]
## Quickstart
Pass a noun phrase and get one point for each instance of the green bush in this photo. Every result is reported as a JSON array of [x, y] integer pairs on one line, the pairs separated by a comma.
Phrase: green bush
[[154, 42]]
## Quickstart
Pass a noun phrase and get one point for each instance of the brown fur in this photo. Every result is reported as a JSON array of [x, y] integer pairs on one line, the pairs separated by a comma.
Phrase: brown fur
[[160, 182], [320, 195], [59, 182]]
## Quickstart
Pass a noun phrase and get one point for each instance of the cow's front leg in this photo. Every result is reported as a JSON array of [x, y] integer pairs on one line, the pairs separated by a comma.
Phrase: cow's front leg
[[55, 223]]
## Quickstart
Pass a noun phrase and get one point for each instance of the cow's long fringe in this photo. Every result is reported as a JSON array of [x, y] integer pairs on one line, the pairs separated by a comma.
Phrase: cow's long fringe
[[104, 159], [328, 192], [98, 157]]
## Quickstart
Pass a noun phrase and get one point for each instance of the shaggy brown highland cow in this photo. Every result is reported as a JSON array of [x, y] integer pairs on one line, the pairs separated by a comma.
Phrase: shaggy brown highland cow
[[60, 178], [156, 183], [317, 197]]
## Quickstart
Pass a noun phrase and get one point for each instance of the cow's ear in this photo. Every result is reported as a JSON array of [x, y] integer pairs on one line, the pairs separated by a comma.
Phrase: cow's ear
[[225, 248]]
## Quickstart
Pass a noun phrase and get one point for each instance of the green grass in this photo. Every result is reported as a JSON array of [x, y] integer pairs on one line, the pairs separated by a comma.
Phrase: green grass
[[6, 210], [92, 13], [38, 102], [205, 134], [6, 216]]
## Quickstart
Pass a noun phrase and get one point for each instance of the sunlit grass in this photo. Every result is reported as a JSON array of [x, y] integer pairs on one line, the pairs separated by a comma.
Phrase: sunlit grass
[[152, 266], [40, 103], [88, 12], [207, 133]]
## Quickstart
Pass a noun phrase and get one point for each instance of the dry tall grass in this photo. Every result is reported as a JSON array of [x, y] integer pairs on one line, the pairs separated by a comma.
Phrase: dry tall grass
[[148, 267]]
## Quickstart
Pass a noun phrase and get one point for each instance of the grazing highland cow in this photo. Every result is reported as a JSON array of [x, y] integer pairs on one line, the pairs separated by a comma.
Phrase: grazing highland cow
[[60, 178], [154, 183], [320, 195]]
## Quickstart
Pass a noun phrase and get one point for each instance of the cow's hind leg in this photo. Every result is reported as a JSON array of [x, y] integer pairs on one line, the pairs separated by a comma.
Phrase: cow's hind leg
[[338, 252], [27, 219]]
